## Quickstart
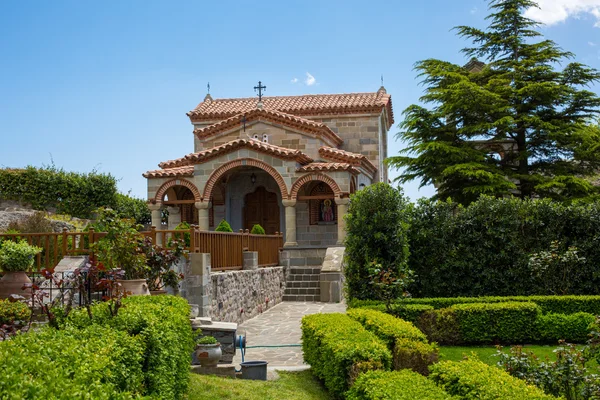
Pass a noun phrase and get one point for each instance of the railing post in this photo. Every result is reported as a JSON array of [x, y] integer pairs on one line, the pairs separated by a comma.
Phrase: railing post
[[192, 238], [153, 234], [91, 241], [64, 243]]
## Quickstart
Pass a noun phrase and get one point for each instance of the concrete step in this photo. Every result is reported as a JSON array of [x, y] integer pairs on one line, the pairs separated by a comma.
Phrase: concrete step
[[301, 297], [313, 291], [303, 278], [299, 284], [309, 270]]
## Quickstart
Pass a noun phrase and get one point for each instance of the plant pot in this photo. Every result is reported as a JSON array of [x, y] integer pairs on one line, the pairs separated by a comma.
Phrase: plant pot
[[12, 283], [208, 354], [135, 287], [157, 292]]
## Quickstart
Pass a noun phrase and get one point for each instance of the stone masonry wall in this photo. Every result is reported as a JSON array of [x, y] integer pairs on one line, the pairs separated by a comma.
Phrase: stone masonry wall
[[249, 291], [313, 235]]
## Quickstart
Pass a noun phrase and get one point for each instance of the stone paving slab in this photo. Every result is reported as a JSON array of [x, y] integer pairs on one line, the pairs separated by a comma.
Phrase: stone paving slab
[[280, 326]]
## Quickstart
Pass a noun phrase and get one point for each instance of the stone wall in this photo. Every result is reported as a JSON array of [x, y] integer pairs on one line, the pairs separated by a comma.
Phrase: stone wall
[[240, 295], [313, 235]]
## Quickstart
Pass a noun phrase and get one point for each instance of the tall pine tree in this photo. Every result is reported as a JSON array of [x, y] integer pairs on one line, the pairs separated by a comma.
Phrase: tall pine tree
[[517, 123]]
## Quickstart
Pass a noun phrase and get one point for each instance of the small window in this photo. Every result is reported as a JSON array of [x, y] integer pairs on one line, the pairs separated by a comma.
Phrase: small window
[[255, 137], [265, 138]]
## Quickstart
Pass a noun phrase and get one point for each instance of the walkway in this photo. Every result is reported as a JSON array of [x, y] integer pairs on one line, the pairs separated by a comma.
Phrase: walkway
[[280, 326]]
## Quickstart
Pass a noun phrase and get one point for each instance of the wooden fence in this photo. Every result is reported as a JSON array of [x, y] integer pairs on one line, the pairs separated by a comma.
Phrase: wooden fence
[[226, 248]]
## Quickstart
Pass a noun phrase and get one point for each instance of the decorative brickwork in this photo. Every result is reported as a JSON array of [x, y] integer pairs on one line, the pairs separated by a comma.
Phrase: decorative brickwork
[[314, 177], [160, 193], [250, 162]]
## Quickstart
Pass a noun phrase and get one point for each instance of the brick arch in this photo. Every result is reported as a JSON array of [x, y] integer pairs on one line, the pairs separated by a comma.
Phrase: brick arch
[[250, 162], [314, 177], [160, 193]]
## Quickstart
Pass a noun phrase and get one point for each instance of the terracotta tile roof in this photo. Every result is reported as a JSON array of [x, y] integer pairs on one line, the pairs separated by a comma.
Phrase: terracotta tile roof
[[314, 104], [205, 155], [168, 172], [355, 159], [323, 166], [302, 124]]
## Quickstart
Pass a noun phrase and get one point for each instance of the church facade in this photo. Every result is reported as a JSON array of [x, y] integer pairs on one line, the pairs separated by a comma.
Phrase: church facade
[[287, 163]]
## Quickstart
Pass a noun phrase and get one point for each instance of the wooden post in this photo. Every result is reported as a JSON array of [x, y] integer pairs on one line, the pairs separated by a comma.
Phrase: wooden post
[[91, 239], [153, 234], [192, 238], [64, 243]]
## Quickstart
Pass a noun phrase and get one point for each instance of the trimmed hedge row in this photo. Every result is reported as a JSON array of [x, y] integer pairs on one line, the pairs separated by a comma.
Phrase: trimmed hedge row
[[396, 385], [145, 350], [386, 327], [472, 379], [548, 304], [339, 349]]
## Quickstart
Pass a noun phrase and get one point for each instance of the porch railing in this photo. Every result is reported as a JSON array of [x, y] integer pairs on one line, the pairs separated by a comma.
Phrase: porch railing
[[226, 248]]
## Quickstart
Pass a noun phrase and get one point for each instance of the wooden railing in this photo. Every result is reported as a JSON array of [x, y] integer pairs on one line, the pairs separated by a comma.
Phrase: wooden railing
[[226, 248]]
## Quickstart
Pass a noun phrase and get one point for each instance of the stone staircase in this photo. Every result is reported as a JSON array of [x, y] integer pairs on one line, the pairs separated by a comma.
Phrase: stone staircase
[[303, 284]]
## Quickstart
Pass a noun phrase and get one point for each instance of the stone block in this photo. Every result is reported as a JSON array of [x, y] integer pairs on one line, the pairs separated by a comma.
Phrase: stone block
[[227, 371], [250, 260]]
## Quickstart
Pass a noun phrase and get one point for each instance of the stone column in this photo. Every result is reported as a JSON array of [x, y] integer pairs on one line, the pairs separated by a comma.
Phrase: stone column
[[156, 219], [203, 221], [342, 209], [290, 223], [199, 283], [174, 217]]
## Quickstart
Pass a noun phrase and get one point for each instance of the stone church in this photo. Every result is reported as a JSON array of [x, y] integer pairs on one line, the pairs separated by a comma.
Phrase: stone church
[[288, 163]]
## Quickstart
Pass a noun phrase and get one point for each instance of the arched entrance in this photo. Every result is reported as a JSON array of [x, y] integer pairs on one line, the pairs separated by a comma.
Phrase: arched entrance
[[177, 198]]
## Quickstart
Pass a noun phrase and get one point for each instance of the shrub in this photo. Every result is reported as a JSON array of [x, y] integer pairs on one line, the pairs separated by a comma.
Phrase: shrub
[[573, 328], [472, 379], [339, 349], [224, 227], [414, 355], [485, 248], [397, 385], [183, 226], [17, 256], [440, 326], [257, 230], [10, 312], [387, 327], [96, 362], [496, 322], [376, 225], [133, 208], [35, 223]]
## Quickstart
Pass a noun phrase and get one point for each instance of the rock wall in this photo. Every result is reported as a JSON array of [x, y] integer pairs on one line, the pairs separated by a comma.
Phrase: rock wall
[[240, 295]]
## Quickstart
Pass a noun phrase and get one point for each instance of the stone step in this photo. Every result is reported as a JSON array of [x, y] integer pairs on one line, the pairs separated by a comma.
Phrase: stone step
[[301, 297], [304, 278], [305, 270], [299, 284], [312, 290]]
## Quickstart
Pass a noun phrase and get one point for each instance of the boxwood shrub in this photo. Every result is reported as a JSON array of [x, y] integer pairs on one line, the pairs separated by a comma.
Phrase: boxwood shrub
[[574, 328], [162, 324], [96, 362], [396, 385], [414, 355], [339, 349], [386, 327], [548, 304], [472, 379], [10, 312]]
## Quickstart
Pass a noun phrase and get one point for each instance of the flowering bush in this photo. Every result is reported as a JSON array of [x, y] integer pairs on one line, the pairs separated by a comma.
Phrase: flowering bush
[[17, 256]]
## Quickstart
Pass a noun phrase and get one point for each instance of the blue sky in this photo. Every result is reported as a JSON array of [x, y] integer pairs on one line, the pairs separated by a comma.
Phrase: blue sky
[[106, 85]]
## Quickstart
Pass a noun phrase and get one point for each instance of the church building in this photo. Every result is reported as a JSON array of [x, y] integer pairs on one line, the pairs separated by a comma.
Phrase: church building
[[288, 163]]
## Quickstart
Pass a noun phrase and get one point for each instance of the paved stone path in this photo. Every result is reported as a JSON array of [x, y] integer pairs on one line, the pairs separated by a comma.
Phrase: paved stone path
[[280, 326]]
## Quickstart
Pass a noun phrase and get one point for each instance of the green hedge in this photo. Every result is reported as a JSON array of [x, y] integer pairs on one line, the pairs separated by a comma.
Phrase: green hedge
[[548, 304], [387, 327], [574, 328], [472, 379], [496, 322], [96, 362], [339, 349], [162, 323], [484, 249], [144, 351], [396, 385], [414, 355], [10, 312]]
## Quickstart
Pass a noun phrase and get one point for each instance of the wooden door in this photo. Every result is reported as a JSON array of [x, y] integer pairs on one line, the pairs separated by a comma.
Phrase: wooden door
[[260, 207]]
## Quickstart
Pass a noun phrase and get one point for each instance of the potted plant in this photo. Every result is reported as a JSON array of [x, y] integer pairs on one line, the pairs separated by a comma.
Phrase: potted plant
[[15, 259], [208, 351], [120, 249], [159, 274]]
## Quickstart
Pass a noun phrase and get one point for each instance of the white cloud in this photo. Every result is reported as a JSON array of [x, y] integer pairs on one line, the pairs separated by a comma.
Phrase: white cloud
[[592, 44], [295, 80], [551, 12], [310, 80]]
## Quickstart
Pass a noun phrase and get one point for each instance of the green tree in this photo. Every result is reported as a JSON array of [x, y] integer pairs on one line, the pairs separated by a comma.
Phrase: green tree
[[376, 242], [515, 124]]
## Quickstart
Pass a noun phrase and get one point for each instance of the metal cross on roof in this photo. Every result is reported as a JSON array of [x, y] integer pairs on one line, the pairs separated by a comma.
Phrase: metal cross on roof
[[244, 121], [260, 89]]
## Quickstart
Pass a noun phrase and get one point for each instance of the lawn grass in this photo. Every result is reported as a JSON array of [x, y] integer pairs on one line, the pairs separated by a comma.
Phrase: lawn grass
[[290, 386], [486, 353]]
